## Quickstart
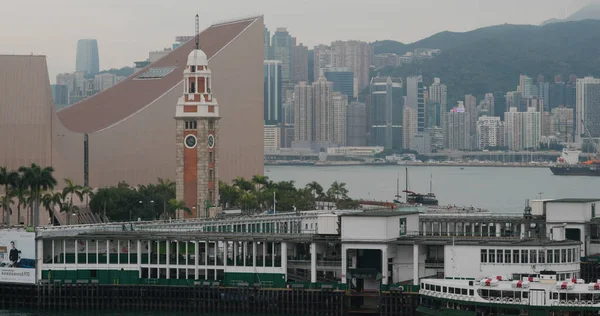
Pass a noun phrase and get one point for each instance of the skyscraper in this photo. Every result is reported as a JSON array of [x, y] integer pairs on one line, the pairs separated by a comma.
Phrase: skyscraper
[[471, 108], [322, 59], [267, 38], [587, 107], [513, 131], [323, 114], [272, 92], [409, 125], [299, 63], [303, 112], [456, 129], [343, 80], [415, 99], [340, 108], [532, 128], [490, 132], [87, 56], [562, 124], [355, 55], [281, 47], [557, 93], [386, 103], [356, 124], [439, 93], [522, 129], [526, 86], [499, 104], [60, 96]]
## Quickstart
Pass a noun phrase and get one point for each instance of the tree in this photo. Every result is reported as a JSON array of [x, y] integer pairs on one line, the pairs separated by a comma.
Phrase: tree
[[50, 200], [7, 179], [166, 189], [38, 179], [243, 184], [88, 193], [259, 181], [177, 205], [21, 193], [316, 189], [338, 191], [7, 201], [69, 190]]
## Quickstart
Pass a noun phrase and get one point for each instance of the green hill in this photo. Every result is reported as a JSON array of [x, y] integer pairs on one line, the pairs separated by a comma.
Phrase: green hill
[[492, 58]]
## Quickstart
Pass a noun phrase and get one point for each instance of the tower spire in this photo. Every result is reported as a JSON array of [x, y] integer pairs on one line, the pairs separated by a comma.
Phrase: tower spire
[[197, 32]]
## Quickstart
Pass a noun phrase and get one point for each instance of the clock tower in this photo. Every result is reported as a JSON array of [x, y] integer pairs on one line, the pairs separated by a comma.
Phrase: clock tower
[[197, 118]]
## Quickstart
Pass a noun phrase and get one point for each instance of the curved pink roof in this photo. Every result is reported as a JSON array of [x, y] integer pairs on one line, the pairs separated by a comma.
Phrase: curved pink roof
[[130, 95]]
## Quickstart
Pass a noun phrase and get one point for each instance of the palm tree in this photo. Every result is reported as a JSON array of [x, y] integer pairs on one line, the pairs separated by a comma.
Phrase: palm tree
[[259, 181], [71, 189], [89, 194], [49, 201], [177, 205], [164, 188], [7, 179], [38, 179], [21, 194], [243, 184], [338, 190], [315, 188], [7, 201]]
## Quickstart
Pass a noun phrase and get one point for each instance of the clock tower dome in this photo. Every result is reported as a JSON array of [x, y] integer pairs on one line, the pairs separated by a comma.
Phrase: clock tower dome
[[197, 118]]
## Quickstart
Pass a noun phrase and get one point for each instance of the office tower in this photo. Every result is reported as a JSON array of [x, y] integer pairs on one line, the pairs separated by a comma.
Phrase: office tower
[[323, 110], [267, 39], [303, 112], [490, 132], [557, 93], [489, 103], [514, 99], [299, 63], [543, 93], [340, 108], [356, 124], [513, 131], [456, 127], [562, 124], [587, 111], [60, 96], [439, 93], [386, 96], [471, 108], [343, 80], [532, 128], [281, 46], [415, 98], [87, 60], [571, 93], [104, 81], [499, 104], [526, 86], [273, 101], [433, 114], [355, 55], [272, 137], [322, 59], [409, 126]]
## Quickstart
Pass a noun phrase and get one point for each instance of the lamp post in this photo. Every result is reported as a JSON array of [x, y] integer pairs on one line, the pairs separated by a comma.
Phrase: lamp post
[[142, 204]]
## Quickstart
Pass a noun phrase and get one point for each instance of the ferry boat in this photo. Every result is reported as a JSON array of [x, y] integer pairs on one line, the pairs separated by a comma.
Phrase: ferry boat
[[539, 294]]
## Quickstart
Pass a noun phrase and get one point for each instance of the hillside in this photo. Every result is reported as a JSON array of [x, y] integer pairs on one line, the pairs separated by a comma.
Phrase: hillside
[[590, 11], [492, 58]]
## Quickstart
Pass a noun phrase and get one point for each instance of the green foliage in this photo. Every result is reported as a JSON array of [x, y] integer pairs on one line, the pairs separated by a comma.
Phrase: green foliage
[[492, 58], [256, 195]]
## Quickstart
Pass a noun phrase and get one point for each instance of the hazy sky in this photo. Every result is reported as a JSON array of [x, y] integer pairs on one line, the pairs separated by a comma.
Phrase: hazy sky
[[127, 30]]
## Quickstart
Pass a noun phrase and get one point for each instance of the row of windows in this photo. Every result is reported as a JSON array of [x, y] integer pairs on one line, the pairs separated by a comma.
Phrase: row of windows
[[526, 256], [446, 289], [193, 125]]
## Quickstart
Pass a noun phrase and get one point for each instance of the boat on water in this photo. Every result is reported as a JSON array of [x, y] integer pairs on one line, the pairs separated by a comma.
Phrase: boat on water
[[413, 198], [568, 165], [538, 294]]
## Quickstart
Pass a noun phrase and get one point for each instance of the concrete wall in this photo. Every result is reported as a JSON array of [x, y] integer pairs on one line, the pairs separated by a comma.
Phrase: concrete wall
[[364, 228], [569, 212], [403, 263]]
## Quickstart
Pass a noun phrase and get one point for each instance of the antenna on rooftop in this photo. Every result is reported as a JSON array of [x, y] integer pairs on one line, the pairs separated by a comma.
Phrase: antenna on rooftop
[[197, 32]]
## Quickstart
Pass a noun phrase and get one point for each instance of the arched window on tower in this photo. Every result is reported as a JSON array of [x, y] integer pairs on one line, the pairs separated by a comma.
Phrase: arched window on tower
[[192, 87]]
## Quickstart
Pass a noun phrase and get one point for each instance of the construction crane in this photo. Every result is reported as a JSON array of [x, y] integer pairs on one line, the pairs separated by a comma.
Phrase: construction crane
[[594, 143]]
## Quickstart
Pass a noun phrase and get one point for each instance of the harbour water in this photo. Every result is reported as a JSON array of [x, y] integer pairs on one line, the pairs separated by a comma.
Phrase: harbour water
[[498, 189]]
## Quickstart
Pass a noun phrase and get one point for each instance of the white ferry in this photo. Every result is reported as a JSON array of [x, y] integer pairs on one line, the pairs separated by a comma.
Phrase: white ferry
[[539, 294]]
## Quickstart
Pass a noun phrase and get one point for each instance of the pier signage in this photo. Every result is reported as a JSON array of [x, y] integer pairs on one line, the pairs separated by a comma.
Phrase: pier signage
[[17, 256]]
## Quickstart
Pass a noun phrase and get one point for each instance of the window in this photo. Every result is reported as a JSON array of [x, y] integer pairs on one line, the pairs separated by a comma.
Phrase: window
[[492, 255], [210, 157], [192, 87], [499, 256], [556, 255], [191, 125], [483, 255], [524, 257], [155, 73], [515, 256], [211, 125], [193, 69], [532, 256], [507, 256], [541, 256], [569, 255], [210, 175], [563, 255], [402, 226], [549, 256], [210, 196]]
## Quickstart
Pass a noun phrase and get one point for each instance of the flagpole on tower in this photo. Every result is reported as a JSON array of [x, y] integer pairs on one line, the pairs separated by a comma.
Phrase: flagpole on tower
[[197, 31]]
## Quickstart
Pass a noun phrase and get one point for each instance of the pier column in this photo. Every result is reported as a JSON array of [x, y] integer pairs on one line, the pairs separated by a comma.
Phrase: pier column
[[284, 259], [139, 256], [168, 247], [523, 230], [344, 263], [196, 259], [384, 266], [254, 253], [313, 263], [416, 264], [498, 230], [235, 253], [448, 228]]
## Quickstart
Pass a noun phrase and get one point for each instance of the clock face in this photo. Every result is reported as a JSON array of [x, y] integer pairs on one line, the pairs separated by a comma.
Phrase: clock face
[[190, 141], [211, 141]]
